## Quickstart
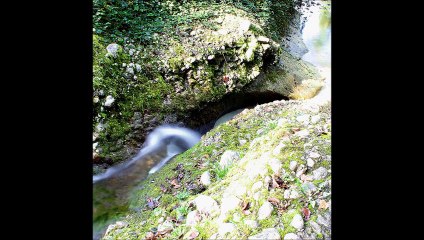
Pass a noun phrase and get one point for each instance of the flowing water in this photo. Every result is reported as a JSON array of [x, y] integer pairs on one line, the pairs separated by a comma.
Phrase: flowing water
[[112, 190]]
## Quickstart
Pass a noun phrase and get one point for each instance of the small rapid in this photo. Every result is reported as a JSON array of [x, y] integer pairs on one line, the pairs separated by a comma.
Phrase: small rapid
[[112, 189]]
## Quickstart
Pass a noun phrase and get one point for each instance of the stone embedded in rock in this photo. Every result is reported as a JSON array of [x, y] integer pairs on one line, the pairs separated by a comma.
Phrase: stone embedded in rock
[[263, 39], [314, 155], [165, 226], [308, 187], [315, 118], [293, 165], [300, 170], [275, 165], [277, 149], [315, 227], [291, 236], [297, 222], [205, 178], [324, 221], [113, 49], [244, 26], [225, 228], [193, 217], [249, 55], [251, 224], [206, 204], [286, 194], [303, 118], [267, 181], [130, 70], [109, 101], [310, 162], [256, 186], [229, 203], [228, 158], [268, 233], [320, 173], [294, 194], [303, 133], [265, 210]]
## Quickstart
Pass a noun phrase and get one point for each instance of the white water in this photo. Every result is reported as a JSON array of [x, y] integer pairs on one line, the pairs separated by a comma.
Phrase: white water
[[175, 139]]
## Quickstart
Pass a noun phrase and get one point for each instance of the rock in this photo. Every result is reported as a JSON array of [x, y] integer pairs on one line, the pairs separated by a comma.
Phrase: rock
[[303, 133], [242, 142], [95, 99], [300, 170], [193, 217], [249, 55], [303, 118], [267, 181], [225, 228], [206, 204], [228, 158], [291, 236], [294, 194], [101, 93], [131, 52], [263, 39], [160, 220], [138, 67], [268, 233], [310, 163], [277, 149], [275, 165], [191, 234], [308, 187], [314, 155], [210, 57], [286, 194], [256, 186], [95, 145], [297, 222], [244, 26], [130, 70], [229, 203], [109, 101], [117, 225], [293, 165], [213, 237], [236, 217], [251, 224], [323, 221], [113, 49], [205, 179], [100, 127], [315, 119], [315, 227], [165, 226], [265, 210], [320, 173], [257, 196]]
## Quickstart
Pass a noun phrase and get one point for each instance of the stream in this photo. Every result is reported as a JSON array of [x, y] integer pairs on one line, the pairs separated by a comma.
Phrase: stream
[[111, 190]]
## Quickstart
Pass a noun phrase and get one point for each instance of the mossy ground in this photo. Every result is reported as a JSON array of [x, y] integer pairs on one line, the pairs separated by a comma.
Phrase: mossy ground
[[264, 128]]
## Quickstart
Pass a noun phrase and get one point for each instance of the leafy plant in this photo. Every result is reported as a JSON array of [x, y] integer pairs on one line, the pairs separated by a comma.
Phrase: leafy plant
[[183, 195]]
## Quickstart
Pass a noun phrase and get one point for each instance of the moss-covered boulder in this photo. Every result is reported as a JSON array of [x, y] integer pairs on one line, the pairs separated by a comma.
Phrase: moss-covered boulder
[[158, 63]]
